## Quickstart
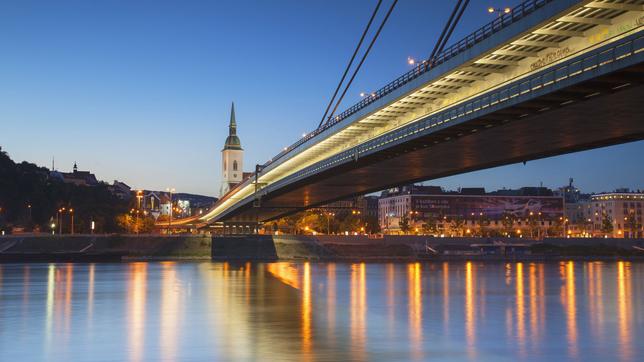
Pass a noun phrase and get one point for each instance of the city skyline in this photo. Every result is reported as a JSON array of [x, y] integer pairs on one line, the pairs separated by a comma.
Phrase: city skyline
[[145, 99]]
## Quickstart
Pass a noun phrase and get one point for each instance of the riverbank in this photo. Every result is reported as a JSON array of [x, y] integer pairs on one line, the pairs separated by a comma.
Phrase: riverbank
[[114, 248], [16, 248], [407, 248]]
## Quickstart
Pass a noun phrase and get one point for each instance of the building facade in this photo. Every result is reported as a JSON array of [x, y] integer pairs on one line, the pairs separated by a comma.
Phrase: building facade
[[232, 158], [78, 178], [469, 212], [622, 210]]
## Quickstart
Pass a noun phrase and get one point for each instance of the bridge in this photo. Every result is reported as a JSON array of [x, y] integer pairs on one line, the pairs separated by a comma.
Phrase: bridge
[[550, 77]]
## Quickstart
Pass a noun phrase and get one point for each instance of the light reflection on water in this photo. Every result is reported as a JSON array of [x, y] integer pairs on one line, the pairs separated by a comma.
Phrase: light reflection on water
[[322, 311]]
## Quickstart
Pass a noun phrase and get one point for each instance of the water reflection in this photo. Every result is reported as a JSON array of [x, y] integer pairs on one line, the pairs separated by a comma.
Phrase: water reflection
[[569, 302], [169, 311], [90, 293], [390, 290], [331, 301], [306, 309], [445, 287], [470, 310], [520, 309], [595, 300], [358, 309], [415, 309], [136, 317], [624, 311], [316, 311]]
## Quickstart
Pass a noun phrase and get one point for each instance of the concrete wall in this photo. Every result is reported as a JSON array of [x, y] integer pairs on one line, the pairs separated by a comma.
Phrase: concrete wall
[[180, 246], [287, 247], [393, 247]]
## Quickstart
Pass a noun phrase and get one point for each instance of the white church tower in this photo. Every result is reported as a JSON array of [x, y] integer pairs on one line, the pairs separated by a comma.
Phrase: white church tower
[[232, 158]]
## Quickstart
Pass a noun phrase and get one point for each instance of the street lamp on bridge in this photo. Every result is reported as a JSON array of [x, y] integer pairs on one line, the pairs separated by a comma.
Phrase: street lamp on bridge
[[499, 11]]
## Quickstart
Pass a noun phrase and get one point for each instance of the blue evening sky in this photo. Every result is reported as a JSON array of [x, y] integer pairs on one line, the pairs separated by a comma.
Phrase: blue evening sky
[[140, 91]]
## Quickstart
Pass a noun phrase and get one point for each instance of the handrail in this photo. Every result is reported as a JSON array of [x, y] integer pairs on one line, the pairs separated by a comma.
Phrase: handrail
[[517, 13]]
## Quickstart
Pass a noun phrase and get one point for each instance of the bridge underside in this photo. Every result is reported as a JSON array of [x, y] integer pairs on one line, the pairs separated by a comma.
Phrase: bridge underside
[[604, 111]]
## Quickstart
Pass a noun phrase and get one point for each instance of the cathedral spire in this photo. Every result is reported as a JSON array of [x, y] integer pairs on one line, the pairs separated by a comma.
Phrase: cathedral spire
[[232, 141], [232, 127]]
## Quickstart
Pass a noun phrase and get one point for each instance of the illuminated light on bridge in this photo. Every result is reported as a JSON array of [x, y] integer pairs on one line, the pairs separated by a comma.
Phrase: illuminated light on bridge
[[546, 78]]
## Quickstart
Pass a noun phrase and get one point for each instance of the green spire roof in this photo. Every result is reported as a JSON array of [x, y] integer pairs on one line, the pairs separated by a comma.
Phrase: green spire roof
[[232, 141]]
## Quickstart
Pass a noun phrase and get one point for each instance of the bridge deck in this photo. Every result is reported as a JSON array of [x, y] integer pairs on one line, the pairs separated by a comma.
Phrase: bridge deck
[[511, 67]]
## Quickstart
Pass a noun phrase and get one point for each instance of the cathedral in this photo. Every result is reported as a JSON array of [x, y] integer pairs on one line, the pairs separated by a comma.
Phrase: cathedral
[[232, 158]]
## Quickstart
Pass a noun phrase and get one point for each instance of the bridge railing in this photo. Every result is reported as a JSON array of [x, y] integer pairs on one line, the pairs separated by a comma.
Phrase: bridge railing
[[574, 68], [486, 31]]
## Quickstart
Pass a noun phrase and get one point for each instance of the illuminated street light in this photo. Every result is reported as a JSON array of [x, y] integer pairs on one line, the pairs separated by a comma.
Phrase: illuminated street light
[[71, 214], [170, 190], [411, 61], [499, 11]]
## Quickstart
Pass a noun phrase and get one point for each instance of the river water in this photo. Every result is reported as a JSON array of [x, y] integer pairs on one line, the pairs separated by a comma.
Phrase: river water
[[456, 311]]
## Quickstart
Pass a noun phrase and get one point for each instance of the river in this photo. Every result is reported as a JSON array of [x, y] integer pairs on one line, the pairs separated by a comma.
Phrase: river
[[452, 311]]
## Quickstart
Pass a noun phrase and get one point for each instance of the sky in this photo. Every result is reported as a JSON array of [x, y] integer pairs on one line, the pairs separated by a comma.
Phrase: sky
[[140, 91]]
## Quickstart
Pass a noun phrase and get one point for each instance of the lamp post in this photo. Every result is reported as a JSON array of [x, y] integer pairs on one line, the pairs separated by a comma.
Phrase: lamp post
[[139, 196], [328, 222], [499, 11], [71, 214], [59, 220], [170, 190]]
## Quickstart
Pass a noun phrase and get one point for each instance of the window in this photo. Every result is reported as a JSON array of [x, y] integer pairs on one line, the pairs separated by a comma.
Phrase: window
[[235, 165], [224, 165]]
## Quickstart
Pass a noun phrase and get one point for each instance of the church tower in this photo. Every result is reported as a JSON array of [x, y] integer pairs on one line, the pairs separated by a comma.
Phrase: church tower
[[232, 157]]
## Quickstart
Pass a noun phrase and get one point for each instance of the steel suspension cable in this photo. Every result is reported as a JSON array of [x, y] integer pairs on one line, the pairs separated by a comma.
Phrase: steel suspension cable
[[346, 70], [445, 28], [364, 56], [453, 25]]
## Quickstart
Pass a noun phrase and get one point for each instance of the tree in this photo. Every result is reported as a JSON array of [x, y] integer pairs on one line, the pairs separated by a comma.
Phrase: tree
[[607, 225], [372, 226], [507, 221], [288, 224], [533, 225], [404, 224], [25, 184], [632, 224], [483, 222], [429, 226], [309, 221], [457, 225], [348, 221], [131, 224]]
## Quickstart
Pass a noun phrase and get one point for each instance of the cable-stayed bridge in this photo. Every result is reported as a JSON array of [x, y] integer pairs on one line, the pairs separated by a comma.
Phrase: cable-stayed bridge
[[548, 78]]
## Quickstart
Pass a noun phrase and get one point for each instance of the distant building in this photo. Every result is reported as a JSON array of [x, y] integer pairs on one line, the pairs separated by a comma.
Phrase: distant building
[[78, 178], [158, 203], [120, 190], [623, 209], [151, 202], [232, 158], [191, 204], [472, 208], [353, 204], [371, 206]]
